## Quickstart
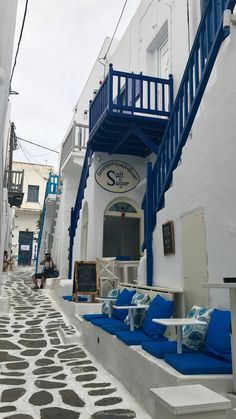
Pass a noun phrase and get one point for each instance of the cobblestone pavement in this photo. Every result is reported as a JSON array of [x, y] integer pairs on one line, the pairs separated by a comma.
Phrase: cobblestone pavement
[[40, 378]]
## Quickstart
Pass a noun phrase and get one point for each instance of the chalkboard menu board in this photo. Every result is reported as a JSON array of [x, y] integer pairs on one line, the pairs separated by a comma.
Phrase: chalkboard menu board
[[168, 238], [85, 279]]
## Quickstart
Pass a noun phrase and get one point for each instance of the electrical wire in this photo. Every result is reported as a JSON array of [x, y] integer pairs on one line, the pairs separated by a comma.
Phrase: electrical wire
[[19, 42], [113, 36], [27, 158], [19, 162], [31, 157], [38, 145]]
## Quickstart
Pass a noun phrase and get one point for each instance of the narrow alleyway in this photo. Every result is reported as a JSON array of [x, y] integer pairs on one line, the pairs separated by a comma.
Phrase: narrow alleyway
[[40, 377]]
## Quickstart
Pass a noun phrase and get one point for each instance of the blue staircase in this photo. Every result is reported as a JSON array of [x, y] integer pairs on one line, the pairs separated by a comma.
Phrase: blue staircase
[[208, 40], [75, 211], [51, 188]]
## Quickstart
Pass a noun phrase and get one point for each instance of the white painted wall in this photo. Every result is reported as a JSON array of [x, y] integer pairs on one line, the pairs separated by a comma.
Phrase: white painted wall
[[7, 30], [71, 170], [205, 180], [98, 199], [134, 52], [27, 216]]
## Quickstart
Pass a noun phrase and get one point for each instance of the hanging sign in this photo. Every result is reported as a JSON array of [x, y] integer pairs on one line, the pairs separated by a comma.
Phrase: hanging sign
[[117, 176]]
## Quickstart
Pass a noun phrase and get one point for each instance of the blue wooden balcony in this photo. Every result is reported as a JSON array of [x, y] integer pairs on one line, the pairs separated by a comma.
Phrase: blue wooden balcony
[[129, 113]]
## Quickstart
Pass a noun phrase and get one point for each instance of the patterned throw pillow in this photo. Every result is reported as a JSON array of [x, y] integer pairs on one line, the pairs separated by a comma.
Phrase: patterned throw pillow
[[113, 294], [138, 299], [194, 335]]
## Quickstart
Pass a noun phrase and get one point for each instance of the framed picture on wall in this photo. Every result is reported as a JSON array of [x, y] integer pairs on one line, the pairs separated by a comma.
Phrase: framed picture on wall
[[168, 238]]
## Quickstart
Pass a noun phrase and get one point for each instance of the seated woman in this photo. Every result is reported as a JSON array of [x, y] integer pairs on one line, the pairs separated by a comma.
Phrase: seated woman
[[48, 271]]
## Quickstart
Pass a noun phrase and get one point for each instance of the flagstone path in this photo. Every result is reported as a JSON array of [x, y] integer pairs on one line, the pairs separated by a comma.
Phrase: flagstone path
[[40, 378]]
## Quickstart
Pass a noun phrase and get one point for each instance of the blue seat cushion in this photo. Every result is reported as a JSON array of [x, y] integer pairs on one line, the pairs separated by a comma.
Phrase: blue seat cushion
[[217, 341], [159, 308], [100, 321], [159, 349], [115, 326], [198, 363], [124, 299], [90, 317], [133, 338]]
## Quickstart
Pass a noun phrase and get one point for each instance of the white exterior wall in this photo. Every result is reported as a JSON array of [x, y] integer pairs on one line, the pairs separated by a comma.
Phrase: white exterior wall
[[153, 21], [98, 199], [7, 30], [205, 180], [27, 216], [71, 169]]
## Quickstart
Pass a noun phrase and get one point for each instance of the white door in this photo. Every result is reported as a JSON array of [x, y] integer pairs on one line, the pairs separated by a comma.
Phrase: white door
[[194, 259]]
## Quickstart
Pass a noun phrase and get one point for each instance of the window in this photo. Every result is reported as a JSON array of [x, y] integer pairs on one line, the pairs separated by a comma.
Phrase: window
[[122, 207], [33, 193]]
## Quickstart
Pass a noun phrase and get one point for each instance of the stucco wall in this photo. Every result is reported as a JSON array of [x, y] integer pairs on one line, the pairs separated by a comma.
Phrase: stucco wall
[[98, 199], [7, 30], [205, 179]]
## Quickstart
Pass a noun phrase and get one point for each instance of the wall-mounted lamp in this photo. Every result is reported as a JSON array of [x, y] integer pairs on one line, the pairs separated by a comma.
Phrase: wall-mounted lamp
[[228, 19]]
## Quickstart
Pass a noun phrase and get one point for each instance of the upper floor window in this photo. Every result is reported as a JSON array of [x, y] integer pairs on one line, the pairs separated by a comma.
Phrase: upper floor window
[[33, 193]]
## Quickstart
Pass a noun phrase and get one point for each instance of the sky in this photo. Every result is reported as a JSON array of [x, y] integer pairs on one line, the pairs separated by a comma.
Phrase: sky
[[60, 43]]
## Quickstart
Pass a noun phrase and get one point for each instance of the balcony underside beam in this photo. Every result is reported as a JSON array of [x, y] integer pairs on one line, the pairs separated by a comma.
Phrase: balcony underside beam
[[123, 139], [146, 140]]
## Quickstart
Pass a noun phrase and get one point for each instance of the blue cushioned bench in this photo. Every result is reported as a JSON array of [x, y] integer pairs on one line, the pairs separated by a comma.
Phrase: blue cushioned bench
[[216, 356], [149, 331], [115, 325]]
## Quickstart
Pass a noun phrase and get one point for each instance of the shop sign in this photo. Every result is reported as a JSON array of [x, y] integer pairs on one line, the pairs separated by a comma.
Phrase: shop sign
[[117, 176]]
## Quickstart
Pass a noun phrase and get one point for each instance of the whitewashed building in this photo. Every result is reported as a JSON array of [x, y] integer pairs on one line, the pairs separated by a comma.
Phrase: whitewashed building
[[139, 121], [28, 216], [7, 30]]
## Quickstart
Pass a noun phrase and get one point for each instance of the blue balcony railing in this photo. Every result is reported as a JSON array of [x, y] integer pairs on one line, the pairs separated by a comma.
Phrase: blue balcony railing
[[132, 94]]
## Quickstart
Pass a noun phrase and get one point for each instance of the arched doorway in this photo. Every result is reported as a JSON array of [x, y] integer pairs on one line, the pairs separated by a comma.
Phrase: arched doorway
[[84, 232], [123, 229]]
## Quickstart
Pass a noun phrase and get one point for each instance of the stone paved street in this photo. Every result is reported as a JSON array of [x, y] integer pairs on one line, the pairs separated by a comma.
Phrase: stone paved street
[[40, 377]]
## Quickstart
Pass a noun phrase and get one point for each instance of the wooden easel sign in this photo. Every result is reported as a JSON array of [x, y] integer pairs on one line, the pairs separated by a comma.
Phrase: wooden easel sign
[[85, 279]]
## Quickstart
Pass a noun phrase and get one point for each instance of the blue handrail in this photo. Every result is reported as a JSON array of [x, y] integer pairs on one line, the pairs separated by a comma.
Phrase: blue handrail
[[75, 211], [204, 51], [51, 188], [133, 94], [201, 60]]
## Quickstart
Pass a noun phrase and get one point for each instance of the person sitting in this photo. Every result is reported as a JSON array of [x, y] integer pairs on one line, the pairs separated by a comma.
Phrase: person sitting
[[7, 262], [48, 271]]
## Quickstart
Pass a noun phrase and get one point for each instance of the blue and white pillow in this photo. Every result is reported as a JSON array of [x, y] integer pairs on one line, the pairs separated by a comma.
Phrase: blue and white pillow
[[138, 299], [194, 335], [112, 294]]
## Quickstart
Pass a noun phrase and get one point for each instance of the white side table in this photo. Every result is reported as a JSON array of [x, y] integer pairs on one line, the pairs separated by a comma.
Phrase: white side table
[[110, 301], [178, 323], [232, 298], [131, 312]]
